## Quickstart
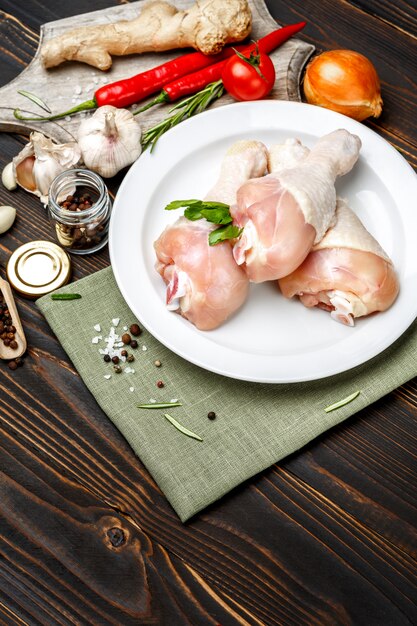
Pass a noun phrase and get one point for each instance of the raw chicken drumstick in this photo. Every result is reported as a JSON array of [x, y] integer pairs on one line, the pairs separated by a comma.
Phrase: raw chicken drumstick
[[352, 275], [286, 212], [346, 273], [204, 283]]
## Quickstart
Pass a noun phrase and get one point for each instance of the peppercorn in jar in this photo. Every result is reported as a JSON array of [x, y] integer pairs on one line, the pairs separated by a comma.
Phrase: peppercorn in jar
[[79, 209]]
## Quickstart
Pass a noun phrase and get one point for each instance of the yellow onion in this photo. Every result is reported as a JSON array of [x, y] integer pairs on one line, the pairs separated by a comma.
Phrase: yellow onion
[[344, 81]]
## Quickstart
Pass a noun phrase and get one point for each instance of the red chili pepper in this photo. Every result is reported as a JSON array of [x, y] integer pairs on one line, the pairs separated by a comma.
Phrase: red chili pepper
[[191, 83], [127, 91]]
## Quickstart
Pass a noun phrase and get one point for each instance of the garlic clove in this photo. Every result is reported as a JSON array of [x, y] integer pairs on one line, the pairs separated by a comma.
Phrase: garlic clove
[[40, 161], [109, 140], [8, 178], [24, 174], [344, 81], [7, 217]]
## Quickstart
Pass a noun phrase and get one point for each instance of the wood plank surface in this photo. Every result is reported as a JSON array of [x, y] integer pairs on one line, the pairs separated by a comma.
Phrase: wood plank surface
[[327, 537]]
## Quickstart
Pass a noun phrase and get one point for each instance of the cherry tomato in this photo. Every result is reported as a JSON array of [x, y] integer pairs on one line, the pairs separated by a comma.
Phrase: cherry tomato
[[249, 78]]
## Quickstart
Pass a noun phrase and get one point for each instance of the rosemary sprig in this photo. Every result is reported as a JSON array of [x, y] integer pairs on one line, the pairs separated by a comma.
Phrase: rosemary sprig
[[34, 98], [160, 405], [346, 400], [181, 428], [182, 111], [65, 296]]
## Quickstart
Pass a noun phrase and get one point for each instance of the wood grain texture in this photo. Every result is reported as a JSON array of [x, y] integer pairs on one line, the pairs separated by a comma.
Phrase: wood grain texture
[[328, 537], [401, 14]]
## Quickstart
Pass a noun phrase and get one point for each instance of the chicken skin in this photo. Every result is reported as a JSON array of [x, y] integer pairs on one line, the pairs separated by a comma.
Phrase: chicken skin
[[286, 212], [204, 283], [347, 273]]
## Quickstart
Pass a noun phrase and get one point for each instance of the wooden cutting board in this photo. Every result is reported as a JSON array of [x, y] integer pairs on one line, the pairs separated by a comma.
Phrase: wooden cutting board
[[71, 83]]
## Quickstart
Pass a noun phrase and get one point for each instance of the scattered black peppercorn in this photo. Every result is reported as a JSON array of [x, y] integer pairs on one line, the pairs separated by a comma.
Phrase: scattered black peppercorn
[[211, 415], [12, 365], [160, 384], [115, 359], [130, 358], [134, 343], [124, 353], [117, 369], [107, 358], [135, 330]]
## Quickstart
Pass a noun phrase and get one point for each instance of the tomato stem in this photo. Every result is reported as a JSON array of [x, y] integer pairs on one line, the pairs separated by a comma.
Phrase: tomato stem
[[254, 59]]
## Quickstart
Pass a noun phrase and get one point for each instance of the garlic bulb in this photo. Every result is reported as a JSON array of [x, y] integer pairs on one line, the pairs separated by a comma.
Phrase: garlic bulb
[[109, 140], [40, 161], [344, 81]]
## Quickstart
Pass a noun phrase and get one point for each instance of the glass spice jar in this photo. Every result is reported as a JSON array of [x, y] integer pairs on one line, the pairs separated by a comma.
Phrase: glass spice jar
[[79, 209]]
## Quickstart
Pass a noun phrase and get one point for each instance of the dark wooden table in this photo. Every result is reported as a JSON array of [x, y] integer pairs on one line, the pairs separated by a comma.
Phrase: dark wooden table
[[86, 537]]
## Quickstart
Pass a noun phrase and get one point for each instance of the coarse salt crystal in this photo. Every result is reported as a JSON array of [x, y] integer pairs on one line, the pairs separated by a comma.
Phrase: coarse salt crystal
[[152, 400], [124, 327], [144, 348], [129, 370], [68, 118], [97, 327], [103, 351], [107, 376], [131, 389], [96, 339], [115, 321], [174, 399]]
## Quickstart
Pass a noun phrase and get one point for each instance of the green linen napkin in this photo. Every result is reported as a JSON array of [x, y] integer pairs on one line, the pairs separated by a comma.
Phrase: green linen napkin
[[256, 424]]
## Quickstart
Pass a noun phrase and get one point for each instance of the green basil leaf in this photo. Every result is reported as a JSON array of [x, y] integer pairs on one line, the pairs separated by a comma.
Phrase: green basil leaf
[[217, 215], [181, 204], [193, 213], [214, 212], [224, 233]]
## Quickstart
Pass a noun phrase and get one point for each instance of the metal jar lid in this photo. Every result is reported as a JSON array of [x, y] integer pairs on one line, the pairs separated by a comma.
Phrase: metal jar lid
[[38, 267]]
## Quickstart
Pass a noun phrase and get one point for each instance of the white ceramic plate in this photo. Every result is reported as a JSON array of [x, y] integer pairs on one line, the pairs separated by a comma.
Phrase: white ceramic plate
[[270, 339]]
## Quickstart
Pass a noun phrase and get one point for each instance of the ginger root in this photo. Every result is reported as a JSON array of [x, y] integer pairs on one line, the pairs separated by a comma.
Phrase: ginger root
[[206, 26]]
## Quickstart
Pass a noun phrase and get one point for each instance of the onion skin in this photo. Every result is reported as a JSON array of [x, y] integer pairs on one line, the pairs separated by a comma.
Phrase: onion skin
[[344, 81]]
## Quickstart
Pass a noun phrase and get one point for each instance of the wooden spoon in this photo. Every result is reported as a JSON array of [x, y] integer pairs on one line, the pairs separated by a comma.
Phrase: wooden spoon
[[5, 351]]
